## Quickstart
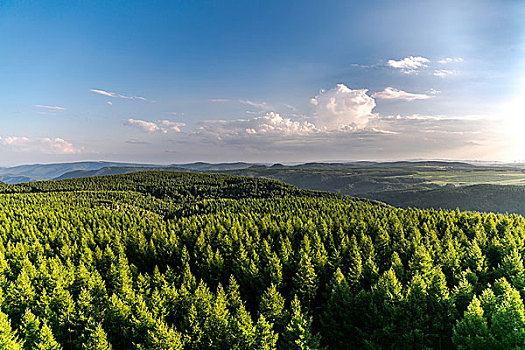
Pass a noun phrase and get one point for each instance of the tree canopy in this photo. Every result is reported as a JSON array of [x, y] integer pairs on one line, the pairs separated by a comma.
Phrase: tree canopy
[[186, 261]]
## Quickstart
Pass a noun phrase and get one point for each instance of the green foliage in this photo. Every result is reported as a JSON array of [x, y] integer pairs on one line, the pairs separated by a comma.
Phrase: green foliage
[[185, 261], [298, 333], [8, 338], [496, 320], [97, 339]]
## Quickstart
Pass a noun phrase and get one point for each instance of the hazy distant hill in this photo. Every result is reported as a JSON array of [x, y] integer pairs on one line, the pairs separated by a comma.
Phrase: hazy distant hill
[[202, 166], [112, 170], [37, 172]]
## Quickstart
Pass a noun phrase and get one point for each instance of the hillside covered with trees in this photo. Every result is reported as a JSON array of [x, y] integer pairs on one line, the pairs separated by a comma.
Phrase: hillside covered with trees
[[164, 260]]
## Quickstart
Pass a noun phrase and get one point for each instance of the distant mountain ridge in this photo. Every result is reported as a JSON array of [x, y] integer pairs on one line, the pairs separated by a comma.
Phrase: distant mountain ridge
[[422, 184], [40, 172]]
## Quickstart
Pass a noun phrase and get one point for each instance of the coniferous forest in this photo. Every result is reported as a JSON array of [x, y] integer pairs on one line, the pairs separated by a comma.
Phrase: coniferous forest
[[164, 260]]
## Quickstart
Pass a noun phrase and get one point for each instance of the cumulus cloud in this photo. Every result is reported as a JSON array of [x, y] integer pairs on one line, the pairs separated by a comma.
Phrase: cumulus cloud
[[269, 125], [166, 125], [342, 107], [116, 95], [341, 125], [162, 126], [409, 65], [391, 93], [385, 137], [45, 145], [443, 73], [451, 60]]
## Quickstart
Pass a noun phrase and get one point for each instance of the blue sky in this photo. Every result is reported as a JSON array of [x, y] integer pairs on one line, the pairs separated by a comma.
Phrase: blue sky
[[269, 81]]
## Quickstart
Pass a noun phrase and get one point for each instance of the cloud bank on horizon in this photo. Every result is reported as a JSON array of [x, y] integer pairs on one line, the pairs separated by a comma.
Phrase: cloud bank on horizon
[[271, 88]]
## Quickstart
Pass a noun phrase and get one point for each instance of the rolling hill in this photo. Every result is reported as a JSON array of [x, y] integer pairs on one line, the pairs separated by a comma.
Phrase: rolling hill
[[447, 185]]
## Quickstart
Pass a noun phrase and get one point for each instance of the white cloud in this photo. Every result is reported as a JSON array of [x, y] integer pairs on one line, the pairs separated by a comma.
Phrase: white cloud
[[45, 145], [403, 136], [116, 95], [269, 125], [143, 125], [260, 105], [451, 60], [341, 125], [166, 125], [219, 100], [443, 73], [362, 65], [338, 111], [50, 109], [391, 93], [160, 125], [342, 107], [409, 65]]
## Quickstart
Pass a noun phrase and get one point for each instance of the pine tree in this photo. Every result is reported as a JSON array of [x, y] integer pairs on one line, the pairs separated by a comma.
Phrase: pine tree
[[217, 324], [441, 307], [471, 332], [305, 279], [46, 340], [339, 314], [512, 269], [274, 270], [162, 337], [475, 260], [298, 334], [265, 337], [30, 329], [8, 338], [415, 314], [421, 262], [383, 248], [356, 265], [508, 316], [97, 339], [272, 307]]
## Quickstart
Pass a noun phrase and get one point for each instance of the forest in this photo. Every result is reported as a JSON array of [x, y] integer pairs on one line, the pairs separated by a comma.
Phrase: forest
[[168, 260]]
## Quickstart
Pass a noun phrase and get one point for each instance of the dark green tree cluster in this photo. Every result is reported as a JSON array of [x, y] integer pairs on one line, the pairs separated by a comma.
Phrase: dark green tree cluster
[[93, 268]]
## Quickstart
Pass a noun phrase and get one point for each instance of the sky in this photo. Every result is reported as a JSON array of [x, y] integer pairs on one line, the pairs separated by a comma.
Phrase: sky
[[261, 81]]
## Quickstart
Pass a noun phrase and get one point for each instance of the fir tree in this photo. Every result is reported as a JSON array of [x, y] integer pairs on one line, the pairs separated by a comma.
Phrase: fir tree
[[305, 280], [298, 334], [8, 338], [97, 339]]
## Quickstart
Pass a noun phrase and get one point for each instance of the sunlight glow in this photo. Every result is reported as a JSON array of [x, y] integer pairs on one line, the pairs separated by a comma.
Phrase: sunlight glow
[[514, 116]]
